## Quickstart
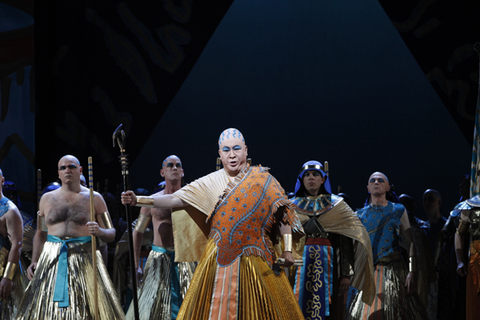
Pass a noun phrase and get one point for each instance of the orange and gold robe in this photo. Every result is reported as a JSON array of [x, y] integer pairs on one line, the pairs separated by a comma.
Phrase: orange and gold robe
[[236, 277]]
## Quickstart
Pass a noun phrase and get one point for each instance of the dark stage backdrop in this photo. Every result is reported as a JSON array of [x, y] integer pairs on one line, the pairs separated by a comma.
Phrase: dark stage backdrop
[[362, 85]]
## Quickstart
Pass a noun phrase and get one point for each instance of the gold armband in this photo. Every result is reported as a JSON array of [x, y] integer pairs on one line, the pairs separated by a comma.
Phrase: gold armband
[[143, 201], [142, 223], [412, 264], [106, 220], [287, 242], [463, 227], [10, 270], [41, 225]]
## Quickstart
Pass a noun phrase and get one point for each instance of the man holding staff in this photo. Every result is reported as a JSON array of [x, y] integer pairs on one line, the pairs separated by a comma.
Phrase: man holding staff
[[242, 209], [163, 281], [61, 271]]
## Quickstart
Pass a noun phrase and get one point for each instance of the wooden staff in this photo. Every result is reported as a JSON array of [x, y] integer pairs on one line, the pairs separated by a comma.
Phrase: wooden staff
[[39, 187], [94, 243]]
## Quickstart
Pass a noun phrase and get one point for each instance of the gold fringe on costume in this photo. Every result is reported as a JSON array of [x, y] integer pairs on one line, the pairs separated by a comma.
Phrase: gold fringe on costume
[[154, 301], [257, 293], [392, 302], [38, 303]]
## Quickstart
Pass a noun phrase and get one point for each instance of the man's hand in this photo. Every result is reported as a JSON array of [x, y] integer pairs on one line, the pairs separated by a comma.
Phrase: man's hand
[[139, 277], [94, 229], [344, 285], [128, 197], [289, 261], [410, 283], [5, 288], [31, 270], [461, 270]]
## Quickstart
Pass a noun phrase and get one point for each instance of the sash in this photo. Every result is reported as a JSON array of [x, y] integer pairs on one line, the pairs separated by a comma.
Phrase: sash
[[61, 284]]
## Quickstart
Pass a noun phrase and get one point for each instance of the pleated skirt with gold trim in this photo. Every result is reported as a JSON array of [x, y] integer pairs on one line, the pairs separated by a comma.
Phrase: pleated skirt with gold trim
[[155, 295], [391, 300], [37, 302], [248, 289]]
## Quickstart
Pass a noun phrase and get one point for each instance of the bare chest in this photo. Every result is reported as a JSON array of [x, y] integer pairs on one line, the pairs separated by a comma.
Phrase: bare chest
[[161, 214], [69, 209]]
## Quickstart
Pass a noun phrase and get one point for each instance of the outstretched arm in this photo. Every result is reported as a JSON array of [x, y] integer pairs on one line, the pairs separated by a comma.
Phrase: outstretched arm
[[161, 201]]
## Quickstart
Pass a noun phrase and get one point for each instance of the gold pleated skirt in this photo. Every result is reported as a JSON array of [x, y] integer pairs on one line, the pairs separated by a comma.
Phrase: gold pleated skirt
[[154, 297], [37, 302], [246, 290], [391, 302]]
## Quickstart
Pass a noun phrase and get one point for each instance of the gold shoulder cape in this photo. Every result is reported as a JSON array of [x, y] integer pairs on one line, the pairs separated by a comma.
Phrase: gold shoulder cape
[[353, 228], [190, 229]]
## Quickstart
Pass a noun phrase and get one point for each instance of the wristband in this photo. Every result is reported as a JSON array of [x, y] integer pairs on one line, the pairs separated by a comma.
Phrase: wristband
[[144, 201], [10, 270], [287, 242]]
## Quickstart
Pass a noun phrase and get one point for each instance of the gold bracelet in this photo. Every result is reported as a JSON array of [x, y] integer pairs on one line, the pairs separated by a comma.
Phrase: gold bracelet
[[10, 270], [107, 221], [142, 223], [412, 265], [145, 201], [463, 227], [42, 226], [287, 242]]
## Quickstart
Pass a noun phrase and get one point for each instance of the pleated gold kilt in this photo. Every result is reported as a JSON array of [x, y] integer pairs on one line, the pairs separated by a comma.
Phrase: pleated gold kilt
[[37, 302], [260, 294], [391, 300], [154, 297]]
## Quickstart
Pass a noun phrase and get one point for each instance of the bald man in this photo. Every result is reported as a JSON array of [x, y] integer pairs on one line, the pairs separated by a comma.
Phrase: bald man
[[166, 281], [11, 234], [387, 224], [61, 271], [241, 208]]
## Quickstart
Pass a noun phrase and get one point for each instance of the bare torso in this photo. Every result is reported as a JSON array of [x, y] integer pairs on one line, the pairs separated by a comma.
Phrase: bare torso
[[66, 213], [162, 227]]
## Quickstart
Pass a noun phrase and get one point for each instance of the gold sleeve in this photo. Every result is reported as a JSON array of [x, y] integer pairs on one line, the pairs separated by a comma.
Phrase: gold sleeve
[[10, 270], [41, 225], [142, 223], [144, 201], [106, 220]]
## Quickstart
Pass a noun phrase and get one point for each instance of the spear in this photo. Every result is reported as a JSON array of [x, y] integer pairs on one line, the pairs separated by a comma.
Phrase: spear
[[94, 242]]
